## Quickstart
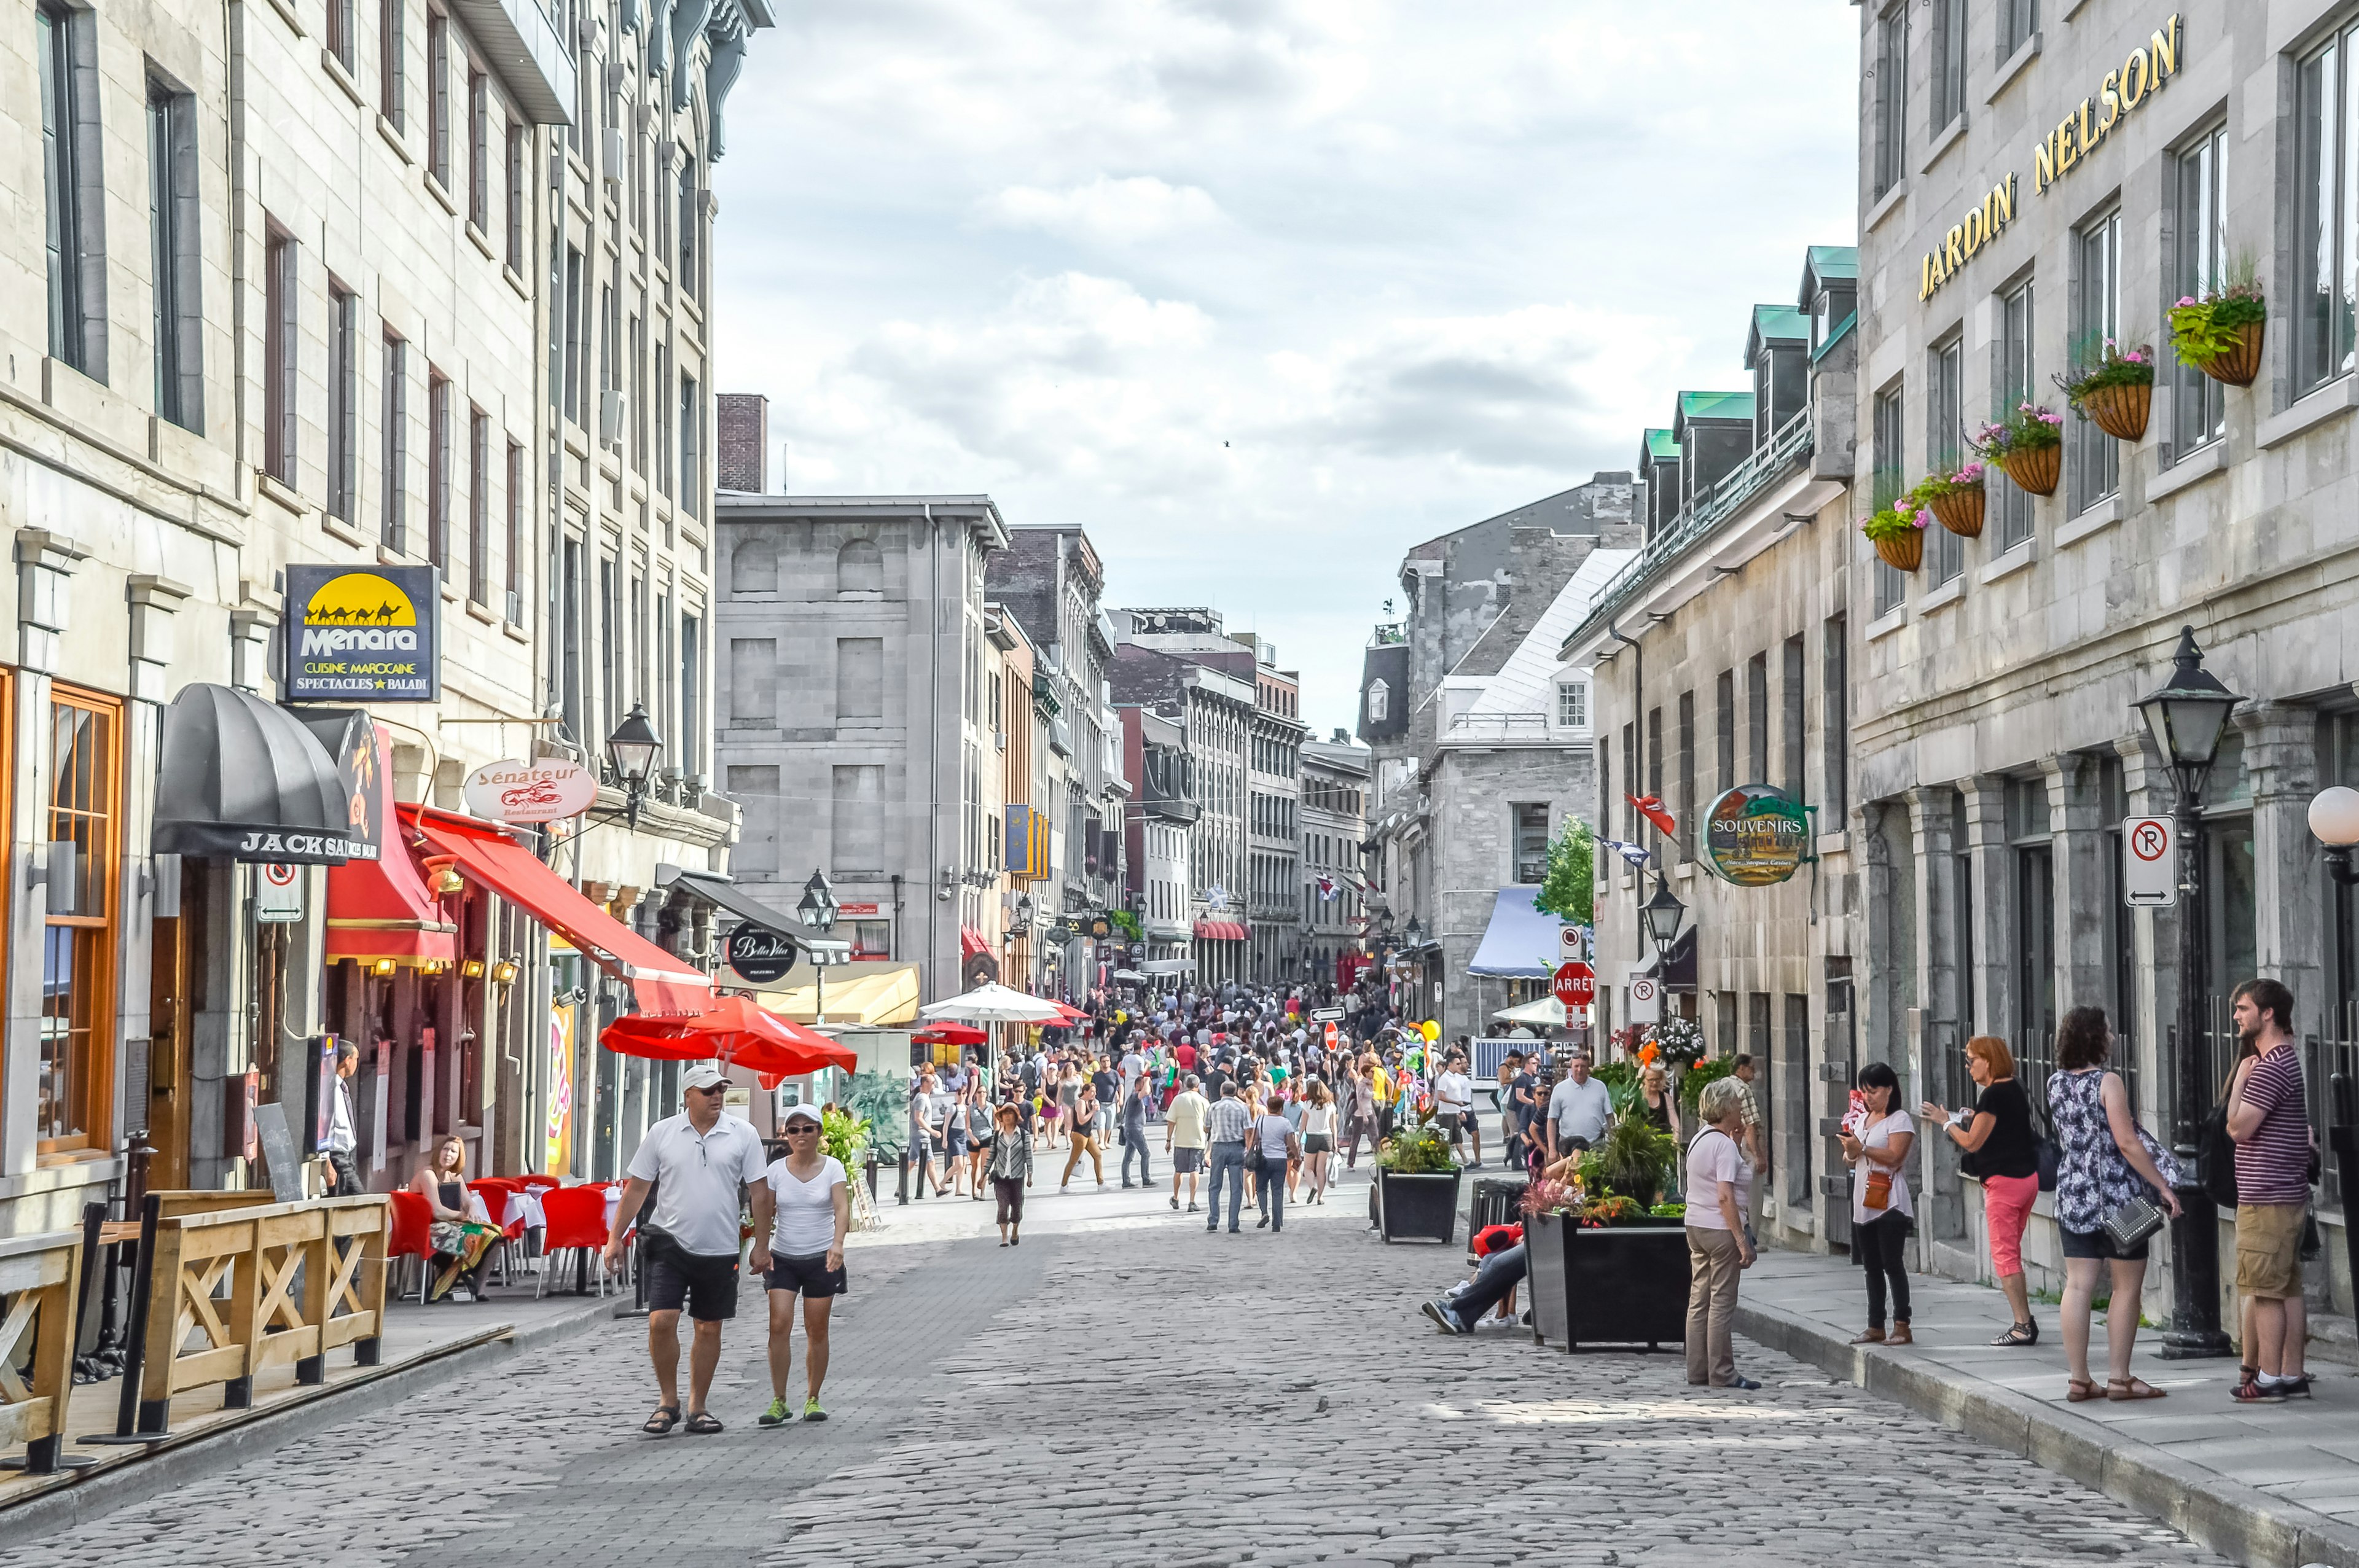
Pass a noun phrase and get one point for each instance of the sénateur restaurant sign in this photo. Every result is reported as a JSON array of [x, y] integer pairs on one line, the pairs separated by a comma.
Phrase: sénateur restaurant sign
[[2074, 137]]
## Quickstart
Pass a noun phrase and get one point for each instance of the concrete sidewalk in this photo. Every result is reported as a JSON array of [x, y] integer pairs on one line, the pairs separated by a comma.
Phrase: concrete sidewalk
[[2270, 1485]]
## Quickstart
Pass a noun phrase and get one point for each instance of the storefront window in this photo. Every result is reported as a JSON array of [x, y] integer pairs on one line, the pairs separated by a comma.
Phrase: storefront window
[[78, 949]]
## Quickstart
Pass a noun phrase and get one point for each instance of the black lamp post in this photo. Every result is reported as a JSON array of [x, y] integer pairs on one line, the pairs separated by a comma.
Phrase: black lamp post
[[2186, 717], [633, 749], [1660, 916], [818, 909]]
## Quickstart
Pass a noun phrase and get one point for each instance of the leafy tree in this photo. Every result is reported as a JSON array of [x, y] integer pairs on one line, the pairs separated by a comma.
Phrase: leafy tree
[[1569, 891]]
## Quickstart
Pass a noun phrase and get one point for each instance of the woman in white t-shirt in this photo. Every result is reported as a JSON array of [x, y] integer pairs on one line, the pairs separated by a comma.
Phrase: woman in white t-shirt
[[1317, 1131], [1719, 1183], [802, 1210], [1275, 1136], [1875, 1145]]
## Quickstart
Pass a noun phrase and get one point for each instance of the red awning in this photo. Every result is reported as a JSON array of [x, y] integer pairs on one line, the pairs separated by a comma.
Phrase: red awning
[[972, 942], [1221, 931], [663, 982], [385, 908]]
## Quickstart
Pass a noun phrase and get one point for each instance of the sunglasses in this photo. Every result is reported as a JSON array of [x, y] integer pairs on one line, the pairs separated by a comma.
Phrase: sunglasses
[[800, 1125]]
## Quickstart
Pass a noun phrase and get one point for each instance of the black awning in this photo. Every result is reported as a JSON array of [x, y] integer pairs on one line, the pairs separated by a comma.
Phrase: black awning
[[245, 780], [1680, 973], [723, 895]]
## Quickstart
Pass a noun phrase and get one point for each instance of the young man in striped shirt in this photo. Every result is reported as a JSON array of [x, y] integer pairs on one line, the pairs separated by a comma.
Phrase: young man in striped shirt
[[2269, 1119]]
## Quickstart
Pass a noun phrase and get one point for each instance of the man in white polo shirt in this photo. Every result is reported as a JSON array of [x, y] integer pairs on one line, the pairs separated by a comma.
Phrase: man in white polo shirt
[[699, 1162]]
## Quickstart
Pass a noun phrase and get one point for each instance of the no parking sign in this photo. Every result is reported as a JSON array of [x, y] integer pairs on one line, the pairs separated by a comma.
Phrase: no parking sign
[[1645, 1000], [2150, 862], [278, 893]]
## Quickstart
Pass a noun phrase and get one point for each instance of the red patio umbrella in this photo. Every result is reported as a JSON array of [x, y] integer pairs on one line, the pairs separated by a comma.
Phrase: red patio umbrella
[[950, 1034], [734, 1029]]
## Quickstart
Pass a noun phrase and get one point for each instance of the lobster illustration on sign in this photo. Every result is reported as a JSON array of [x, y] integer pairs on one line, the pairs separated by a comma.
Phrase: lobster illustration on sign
[[538, 791]]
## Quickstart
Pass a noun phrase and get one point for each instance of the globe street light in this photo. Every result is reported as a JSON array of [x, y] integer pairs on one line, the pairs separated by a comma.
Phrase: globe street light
[[2186, 717], [2334, 822]]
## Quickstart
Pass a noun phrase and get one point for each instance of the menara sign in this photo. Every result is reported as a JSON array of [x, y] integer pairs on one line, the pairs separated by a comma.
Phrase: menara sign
[[362, 634]]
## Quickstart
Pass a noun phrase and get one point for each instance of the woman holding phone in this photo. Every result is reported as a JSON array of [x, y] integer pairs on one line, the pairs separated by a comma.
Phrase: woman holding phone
[[1875, 1144]]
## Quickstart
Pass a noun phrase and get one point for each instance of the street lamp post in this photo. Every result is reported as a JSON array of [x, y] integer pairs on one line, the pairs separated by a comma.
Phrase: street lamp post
[[633, 749], [2335, 823], [818, 909], [1660, 916], [2186, 717]]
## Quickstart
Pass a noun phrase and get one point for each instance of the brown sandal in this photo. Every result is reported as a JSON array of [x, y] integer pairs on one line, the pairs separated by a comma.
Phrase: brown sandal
[[2121, 1388], [2080, 1390]]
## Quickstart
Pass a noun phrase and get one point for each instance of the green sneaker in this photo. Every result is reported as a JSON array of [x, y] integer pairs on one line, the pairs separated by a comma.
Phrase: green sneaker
[[777, 1415], [811, 1410]]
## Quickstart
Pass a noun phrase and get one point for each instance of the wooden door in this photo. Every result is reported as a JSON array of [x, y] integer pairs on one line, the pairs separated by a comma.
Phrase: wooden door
[[168, 1053]]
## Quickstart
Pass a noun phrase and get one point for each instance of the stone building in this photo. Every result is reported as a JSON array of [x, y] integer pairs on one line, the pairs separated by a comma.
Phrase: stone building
[[1333, 790], [1273, 819], [296, 299], [854, 716], [1179, 661], [2023, 192], [1480, 735], [1719, 654], [1161, 815]]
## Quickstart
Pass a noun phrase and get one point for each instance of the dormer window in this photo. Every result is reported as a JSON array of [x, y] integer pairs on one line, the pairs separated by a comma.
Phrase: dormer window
[[1827, 313], [1379, 701]]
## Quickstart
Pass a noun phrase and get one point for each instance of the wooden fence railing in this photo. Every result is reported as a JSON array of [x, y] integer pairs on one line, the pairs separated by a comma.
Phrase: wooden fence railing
[[39, 1274], [303, 1278]]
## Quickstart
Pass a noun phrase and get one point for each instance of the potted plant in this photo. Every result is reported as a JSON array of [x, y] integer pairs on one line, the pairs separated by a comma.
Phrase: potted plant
[[1897, 532], [1955, 498], [2029, 444], [1607, 1267], [1417, 1184], [2113, 387], [2221, 331]]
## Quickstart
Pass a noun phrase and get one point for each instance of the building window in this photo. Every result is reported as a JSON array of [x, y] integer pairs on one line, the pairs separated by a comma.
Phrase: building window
[[1949, 62], [516, 205], [479, 150], [2011, 387], [514, 563], [1630, 776], [573, 379], [2199, 405], [1572, 705], [1835, 721], [69, 178], [2324, 290], [1687, 802], [1531, 843], [344, 400], [438, 471], [1945, 553], [1891, 71], [857, 822], [391, 72], [1886, 485], [691, 695], [341, 42], [663, 420], [438, 84], [79, 943], [479, 506], [278, 339], [1756, 718], [2017, 21], [392, 526], [2097, 305], [688, 205], [172, 210], [691, 440], [1380, 698], [1724, 702], [1792, 675]]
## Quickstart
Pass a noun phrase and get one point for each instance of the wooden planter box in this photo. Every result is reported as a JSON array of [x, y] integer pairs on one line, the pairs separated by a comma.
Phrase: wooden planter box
[[1623, 1285], [1417, 1208]]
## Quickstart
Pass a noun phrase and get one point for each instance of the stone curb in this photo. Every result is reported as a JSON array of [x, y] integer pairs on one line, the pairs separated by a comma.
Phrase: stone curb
[[80, 1497], [2240, 1522]]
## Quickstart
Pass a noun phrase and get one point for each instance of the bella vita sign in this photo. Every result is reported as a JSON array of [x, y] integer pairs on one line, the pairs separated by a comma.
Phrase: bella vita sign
[[2075, 136]]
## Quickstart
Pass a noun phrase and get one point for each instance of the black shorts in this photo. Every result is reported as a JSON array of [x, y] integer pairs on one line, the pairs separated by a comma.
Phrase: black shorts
[[1448, 1120], [2097, 1244], [706, 1286], [1186, 1162], [806, 1276], [1317, 1143]]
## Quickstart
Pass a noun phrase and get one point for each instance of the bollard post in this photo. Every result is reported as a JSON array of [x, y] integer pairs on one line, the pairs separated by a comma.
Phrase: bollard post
[[901, 1186], [85, 1367], [134, 1354]]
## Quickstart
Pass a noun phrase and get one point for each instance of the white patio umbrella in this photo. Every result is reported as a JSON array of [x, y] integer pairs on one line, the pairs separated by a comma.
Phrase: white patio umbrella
[[994, 1003], [1548, 1011]]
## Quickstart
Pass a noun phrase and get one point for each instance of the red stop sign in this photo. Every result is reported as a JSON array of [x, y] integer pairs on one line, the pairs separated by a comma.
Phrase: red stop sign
[[1576, 985]]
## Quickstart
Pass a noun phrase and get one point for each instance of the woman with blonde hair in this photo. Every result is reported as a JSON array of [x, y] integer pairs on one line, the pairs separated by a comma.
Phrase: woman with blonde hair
[[1318, 1118], [1997, 1147], [460, 1242]]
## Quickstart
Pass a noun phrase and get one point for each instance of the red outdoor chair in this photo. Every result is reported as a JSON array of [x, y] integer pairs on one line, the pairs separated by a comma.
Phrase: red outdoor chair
[[577, 1223], [413, 1236]]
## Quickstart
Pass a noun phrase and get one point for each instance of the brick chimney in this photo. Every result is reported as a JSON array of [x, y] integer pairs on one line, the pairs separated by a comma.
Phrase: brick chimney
[[745, 441]]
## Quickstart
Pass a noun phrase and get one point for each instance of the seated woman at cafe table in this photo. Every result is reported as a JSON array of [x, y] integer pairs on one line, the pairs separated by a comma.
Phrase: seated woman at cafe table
[[458, 1240]]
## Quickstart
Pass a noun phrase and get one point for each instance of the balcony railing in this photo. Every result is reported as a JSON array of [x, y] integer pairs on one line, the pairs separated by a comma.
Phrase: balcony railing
[[1792, 443], [1498, 727]]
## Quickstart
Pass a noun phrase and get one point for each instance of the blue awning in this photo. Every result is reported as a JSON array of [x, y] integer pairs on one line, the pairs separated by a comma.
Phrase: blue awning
[[1521, 942]]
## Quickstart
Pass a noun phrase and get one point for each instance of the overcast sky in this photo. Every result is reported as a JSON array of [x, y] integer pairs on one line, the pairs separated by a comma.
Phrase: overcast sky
[[1263, 292]]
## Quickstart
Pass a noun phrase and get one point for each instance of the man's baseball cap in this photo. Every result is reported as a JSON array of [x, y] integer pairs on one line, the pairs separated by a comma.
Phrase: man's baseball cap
[[801, 1113], [701, 1077]]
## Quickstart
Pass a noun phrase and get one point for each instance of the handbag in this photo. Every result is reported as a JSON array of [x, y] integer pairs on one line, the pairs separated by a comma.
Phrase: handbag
[[2131, 1223], [2215, 1158], [1254, 1161], [1876, 1195]]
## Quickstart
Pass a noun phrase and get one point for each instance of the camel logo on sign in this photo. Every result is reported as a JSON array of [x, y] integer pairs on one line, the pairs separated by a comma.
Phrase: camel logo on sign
[[549, 790], [362, 635]]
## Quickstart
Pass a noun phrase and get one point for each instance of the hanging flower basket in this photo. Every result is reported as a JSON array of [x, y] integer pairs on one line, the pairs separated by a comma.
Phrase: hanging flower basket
[[1902, 552], [2035, 469], [2221, 332], [1956, 499], [2121, 411]]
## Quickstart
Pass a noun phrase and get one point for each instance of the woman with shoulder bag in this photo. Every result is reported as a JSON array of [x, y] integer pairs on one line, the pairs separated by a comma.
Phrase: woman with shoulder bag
[[1718, 1247], [1876, 1146], [2113, 1185], [1998, 1148]]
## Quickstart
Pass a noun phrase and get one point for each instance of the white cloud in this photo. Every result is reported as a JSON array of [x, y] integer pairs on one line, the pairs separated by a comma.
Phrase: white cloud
[[1263, 291], [1105, 212]]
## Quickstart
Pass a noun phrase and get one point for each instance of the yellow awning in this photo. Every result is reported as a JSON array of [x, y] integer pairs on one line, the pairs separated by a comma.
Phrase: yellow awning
[[880, 996]]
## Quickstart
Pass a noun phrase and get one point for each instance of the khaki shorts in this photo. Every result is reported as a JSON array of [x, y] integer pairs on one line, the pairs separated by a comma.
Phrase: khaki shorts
[[2269, 1249]]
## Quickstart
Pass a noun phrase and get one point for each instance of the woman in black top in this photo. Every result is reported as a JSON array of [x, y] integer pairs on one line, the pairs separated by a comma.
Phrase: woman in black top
[[2001, 1150]]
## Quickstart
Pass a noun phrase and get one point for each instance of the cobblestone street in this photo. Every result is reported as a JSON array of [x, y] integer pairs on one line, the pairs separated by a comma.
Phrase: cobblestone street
[[1126, 1388]]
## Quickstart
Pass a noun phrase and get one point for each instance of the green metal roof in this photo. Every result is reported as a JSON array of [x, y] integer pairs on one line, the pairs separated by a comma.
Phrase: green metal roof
[[1834, 261], [1716, 406], [1662, 447], [1775, 324]]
